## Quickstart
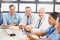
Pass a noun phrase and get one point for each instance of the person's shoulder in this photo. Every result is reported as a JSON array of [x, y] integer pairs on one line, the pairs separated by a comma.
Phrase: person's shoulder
[[32, 14], [24, 15], [47, 15], [17, 14], [7, 14], [51, 26]]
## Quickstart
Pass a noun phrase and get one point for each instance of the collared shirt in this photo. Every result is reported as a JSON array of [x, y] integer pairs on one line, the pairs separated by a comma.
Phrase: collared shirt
[[1, 18], [52, 33], [43, 24], [31, 20], [8, 19]]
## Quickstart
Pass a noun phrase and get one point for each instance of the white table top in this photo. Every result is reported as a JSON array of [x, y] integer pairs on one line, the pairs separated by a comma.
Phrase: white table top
[[19, 35]]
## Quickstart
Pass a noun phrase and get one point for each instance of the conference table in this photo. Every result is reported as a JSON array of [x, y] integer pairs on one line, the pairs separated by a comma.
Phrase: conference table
[[20, 35]]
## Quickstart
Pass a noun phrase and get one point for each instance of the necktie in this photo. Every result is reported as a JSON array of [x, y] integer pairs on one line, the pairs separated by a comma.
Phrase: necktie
[[39, 23], [27, 20]]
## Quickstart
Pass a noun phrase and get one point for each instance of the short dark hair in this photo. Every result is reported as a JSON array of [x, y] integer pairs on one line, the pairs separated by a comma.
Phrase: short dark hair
[[27, 7], [59, 18], [54, 15], [11, 6]]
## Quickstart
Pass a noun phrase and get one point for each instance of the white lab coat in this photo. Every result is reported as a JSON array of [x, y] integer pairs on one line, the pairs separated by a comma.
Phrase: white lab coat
[[44, 24], [31, 20]]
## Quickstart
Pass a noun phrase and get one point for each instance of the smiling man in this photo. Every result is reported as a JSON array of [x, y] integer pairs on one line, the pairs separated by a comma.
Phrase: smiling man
[[12, 18], [28, 19]]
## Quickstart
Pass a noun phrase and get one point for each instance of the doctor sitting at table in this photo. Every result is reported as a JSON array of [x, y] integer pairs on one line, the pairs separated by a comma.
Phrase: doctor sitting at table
[[12, 18]]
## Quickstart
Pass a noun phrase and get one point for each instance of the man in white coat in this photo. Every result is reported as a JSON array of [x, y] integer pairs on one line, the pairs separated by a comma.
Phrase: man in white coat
[[42, 22], [28, 19]]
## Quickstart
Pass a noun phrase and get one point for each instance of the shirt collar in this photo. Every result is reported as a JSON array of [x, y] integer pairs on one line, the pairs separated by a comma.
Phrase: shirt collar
[[29, 16], [10, 14], [52, 27]]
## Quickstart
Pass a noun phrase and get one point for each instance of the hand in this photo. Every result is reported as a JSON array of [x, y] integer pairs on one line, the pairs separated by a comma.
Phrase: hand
[[22, 26], [4, 27], [48, 39], [30, 28], [27, 28], [12, 25], [30, 36]]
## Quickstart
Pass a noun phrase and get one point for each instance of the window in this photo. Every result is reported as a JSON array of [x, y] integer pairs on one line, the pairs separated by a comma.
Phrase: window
[[57, 8], [57, 0], [9, 0], [5, 6], [46, 0], [48, 7], [23, 5], [27, 0]]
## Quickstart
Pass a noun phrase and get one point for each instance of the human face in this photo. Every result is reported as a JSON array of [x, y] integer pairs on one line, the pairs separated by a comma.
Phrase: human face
[[51, 20], [28, 11], [58, 21], [41, 13], [12, 9], [58, 24], [58, 27]]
